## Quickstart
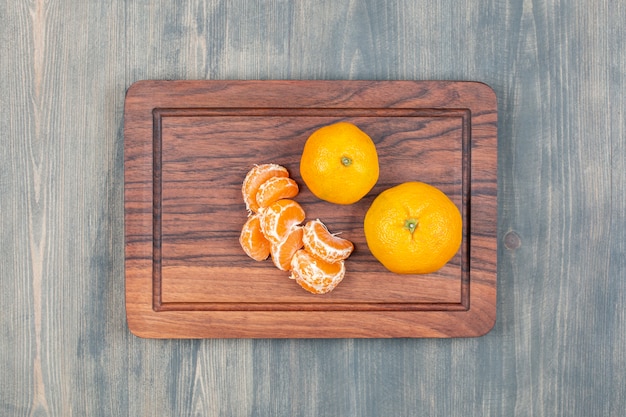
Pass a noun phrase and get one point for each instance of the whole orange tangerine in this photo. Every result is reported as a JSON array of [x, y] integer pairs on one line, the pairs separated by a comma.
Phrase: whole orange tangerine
[[339, 163], [413, 228]]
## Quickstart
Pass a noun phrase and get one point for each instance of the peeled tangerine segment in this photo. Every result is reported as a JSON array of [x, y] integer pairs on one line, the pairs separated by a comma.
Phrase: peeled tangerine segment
[[255, 178], [283, 252], [315, 275], [319, 242], [252, 240], [274, 189], [279, 218]]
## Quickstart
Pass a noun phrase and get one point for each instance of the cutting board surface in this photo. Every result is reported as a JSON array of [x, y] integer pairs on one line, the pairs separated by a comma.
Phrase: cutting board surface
[[188, 146]]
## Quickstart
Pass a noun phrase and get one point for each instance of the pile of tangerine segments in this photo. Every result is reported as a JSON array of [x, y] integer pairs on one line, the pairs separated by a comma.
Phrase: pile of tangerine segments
[[275, 228]]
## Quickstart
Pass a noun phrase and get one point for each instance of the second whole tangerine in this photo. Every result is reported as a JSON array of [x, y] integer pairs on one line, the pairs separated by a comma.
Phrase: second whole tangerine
[[413, 228]]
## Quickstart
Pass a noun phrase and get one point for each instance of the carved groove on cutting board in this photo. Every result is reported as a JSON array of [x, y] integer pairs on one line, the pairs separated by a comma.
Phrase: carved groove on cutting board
[[160, 113]]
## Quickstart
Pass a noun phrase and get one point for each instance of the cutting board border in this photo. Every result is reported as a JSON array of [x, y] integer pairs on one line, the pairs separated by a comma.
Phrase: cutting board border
[[148, 316]]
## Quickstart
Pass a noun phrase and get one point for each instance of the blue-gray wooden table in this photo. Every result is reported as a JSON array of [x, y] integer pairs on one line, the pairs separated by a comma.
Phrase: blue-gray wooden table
[[559, 70]]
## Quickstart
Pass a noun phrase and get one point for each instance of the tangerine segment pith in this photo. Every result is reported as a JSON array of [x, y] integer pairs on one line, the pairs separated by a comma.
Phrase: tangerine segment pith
[[283, 251], [258, 175], [315, 275], [279, 218], [319, 242], [274, 189]]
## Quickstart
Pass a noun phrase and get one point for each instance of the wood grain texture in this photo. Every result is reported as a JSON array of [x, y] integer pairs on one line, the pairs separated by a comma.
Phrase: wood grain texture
[[188, 146], [559, 344]]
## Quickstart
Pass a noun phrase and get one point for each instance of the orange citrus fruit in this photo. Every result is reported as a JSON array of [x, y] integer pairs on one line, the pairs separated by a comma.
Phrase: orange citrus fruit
[[252, 240], [339, 163], [274, 227], [255, 178], [316, 275], [283, 251], [279, 218], [322, 244], [274, 189], [413, 228]]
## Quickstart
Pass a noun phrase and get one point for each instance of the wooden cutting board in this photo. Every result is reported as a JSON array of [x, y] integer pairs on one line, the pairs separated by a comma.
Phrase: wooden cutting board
[[188, 146]]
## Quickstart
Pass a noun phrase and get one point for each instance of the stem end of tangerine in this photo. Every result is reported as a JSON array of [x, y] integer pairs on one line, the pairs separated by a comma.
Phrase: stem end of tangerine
[[410, 225]]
